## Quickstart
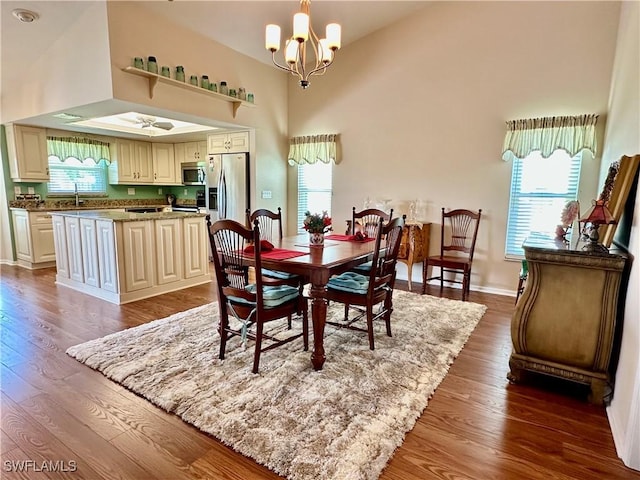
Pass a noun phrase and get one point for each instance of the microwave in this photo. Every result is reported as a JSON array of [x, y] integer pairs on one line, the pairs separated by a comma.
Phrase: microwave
[[194, 173]]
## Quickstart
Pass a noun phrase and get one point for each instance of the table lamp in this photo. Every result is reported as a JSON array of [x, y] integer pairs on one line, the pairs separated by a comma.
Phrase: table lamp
[[597, 215]]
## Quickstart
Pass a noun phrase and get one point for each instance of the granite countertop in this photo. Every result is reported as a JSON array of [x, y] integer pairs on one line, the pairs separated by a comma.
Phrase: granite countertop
[[90, 204], [125, 216]]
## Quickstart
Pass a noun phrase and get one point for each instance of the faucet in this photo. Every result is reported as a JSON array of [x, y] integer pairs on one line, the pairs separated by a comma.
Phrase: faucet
[[77, 196]]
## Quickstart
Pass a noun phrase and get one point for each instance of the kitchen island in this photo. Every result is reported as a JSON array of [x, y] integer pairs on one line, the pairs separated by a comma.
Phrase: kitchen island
[[122, 257]]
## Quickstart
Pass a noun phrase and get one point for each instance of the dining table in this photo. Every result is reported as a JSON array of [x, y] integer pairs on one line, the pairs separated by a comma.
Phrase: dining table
[[317, 264]]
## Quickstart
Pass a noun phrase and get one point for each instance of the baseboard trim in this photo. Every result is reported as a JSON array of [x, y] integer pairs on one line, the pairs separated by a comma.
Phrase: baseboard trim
[[627, 439]]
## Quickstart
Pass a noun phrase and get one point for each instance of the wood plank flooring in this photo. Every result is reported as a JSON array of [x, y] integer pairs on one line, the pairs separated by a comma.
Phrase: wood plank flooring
[[72, 422]]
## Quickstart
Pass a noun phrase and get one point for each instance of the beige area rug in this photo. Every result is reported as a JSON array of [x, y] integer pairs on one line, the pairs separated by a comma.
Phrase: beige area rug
[[343, 422]]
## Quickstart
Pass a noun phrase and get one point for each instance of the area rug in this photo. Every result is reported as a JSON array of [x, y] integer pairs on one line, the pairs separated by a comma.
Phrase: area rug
[[343, 422]]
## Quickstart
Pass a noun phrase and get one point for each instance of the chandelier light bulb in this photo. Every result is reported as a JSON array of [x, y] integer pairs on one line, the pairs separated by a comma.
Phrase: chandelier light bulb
[[291, 51], [326, 55], [334, 32], [272, 38], [301, 27]]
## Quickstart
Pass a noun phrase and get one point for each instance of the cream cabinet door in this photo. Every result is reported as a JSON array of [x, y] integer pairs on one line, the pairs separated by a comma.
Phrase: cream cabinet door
[[138, 255], [238, 142], [168, 251], [234, 142], [89, 242], [27, 150], [43, 245], [22, 232], [107, 262], [60, 243], [144, 162], [196, 247], [164, 164], [74, 247]]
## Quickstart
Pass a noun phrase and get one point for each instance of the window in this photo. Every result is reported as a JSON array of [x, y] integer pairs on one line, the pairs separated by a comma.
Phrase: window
[[87, 176], [314, 189], [540, 188], [77, 164]]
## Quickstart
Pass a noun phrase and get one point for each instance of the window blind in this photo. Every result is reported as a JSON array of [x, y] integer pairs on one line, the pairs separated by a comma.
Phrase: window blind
[[540, 188], [314, 190], [87, 176]]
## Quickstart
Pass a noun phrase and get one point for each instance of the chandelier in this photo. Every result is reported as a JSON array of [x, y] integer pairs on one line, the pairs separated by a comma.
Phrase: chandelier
[[304, 39]]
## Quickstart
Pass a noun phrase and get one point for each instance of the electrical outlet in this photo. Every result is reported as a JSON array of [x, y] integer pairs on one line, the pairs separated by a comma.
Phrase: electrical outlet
[[186, 192], [17, 190], [31, 190], [131, 191], [159, 191], [266, 194]]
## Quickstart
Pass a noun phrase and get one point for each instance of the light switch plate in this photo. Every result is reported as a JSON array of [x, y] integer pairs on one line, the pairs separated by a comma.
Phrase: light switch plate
[[31, 190], [17, 190], [266, 194], [159, 191], [131, 191]]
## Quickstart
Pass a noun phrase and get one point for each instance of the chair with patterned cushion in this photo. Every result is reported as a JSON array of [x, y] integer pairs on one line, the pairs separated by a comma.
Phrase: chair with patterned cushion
[[458, 233], [270, 224], [366, 221], [364, 292], [246, 308]]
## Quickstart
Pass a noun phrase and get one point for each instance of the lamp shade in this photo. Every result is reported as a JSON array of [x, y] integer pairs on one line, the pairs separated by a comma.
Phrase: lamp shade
[[598, 214]]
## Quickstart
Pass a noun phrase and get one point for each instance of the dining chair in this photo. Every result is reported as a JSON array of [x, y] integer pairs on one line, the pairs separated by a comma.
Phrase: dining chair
[[367, 220], [458, 233], [269, 223], [364, 292], [245, 308]]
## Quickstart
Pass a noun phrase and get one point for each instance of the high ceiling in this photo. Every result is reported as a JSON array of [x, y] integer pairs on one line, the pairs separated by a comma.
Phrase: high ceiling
[[237, 24]]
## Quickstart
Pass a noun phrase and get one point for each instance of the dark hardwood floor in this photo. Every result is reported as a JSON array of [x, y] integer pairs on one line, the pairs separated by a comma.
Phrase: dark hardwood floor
[[66, 417]]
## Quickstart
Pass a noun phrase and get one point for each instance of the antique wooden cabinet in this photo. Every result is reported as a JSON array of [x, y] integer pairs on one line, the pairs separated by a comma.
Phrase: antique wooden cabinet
[[564, 322]]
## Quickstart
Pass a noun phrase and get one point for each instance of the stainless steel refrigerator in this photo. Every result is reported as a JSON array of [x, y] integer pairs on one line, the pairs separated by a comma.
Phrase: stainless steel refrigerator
[[228, 186]]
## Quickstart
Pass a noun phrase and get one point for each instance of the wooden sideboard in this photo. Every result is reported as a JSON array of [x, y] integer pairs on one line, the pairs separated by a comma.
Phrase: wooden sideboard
[[564, 322], [414, 246]]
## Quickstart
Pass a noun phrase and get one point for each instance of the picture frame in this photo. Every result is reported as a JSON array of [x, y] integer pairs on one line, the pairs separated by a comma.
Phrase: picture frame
[[618, 194]]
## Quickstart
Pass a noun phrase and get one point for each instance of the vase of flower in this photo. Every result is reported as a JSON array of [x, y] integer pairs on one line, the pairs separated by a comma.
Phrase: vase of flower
[[317, 225], [316, 239]]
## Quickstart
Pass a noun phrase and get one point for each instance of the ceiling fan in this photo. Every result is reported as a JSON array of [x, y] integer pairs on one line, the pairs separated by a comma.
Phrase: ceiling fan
[[146, 122]]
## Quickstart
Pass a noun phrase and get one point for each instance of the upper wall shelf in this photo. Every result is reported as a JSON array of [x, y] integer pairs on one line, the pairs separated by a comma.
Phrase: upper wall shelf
[[154, 79]]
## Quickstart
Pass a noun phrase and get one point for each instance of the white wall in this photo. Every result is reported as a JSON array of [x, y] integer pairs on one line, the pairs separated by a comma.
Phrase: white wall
[[623, 138], [136, 32], [421, 106], [73, 70]]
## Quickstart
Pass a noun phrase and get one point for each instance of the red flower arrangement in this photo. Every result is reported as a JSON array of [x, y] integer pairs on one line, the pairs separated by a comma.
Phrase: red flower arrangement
[[317, 223]]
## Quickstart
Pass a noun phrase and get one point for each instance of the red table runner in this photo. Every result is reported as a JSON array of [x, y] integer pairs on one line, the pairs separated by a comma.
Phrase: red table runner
[[347, 238], [279, 254]]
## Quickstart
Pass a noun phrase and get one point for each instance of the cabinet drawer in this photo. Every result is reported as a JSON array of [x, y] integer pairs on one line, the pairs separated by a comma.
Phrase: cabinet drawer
[[39, 218]]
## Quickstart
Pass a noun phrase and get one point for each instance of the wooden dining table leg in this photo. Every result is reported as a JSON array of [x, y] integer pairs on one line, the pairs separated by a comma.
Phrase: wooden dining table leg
[[318, 294]]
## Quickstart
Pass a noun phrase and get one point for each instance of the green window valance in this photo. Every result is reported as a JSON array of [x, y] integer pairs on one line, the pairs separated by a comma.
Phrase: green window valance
[[572, 134], [78, 147], [312, 149]]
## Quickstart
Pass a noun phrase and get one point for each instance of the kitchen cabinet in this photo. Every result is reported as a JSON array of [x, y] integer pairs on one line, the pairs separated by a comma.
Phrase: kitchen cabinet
[[27, 151], [138, 255], [169, 250], [195, 243], [89, 245], [190, 152], [33, 238], [122, 257], [165, 168], [132, 163], [60, 244], [233, 142], [565, 320]]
